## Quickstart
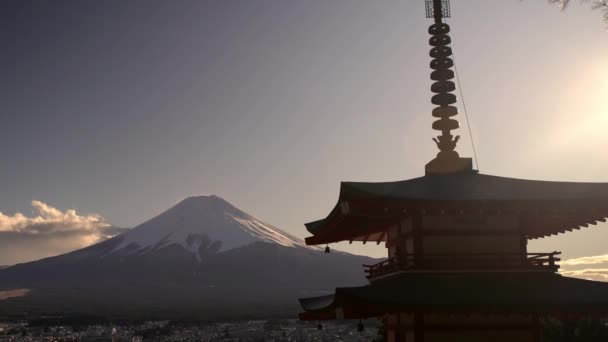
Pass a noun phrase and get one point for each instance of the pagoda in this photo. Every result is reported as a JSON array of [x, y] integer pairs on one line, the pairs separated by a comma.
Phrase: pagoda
[[458, 266]]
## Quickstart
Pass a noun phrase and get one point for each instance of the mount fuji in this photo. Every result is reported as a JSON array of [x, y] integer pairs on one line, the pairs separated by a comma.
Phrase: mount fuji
[[201, 225], [202, 258]]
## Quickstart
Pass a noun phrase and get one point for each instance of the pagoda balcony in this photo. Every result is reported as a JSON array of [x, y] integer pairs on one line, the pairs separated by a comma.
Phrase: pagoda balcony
[[543, 262]]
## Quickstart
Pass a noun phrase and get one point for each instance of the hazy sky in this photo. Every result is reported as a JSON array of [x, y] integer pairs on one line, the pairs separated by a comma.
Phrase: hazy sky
[[123, 108]]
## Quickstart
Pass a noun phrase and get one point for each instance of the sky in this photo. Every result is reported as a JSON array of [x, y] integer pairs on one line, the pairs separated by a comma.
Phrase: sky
[[117, 110]]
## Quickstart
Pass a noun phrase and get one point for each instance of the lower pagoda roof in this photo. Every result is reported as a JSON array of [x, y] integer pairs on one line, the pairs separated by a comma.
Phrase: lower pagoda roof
[[547, 208], [469, 293]]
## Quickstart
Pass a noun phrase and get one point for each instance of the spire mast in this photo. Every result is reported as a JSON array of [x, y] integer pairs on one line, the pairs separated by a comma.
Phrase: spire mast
[[447, 160]]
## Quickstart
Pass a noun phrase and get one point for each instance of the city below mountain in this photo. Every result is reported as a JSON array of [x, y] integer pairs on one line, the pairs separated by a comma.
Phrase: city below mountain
[[201, 259]]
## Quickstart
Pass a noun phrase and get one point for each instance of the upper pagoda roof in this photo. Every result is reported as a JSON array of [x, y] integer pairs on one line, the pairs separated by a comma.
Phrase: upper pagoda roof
[[472, 186], [368, 208], [484, 292]]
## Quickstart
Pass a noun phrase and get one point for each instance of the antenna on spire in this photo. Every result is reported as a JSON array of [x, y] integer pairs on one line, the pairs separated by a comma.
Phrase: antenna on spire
[[447, 160], [437, 9]]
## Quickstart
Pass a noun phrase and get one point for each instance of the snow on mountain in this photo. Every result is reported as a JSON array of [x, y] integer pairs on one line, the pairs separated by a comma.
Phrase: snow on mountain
[[202, 222]]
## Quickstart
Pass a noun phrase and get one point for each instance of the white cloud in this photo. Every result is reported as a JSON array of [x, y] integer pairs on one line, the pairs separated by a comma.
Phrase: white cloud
[[49, 231], [600, 274], [591, 267], [591, 260], [50, 219]]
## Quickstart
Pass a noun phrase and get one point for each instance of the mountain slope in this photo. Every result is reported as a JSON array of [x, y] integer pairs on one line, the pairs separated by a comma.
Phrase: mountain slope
[[202, 258], [207, 221]]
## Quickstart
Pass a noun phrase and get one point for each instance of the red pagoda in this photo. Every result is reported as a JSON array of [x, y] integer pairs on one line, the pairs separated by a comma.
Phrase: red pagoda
[[458, 266]]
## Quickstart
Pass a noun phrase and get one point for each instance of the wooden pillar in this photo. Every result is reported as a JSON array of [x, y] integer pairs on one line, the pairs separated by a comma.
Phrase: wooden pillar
[[418, 327], [536, 328], [567, 330], [418, 239], [399, 337], [523, 242]]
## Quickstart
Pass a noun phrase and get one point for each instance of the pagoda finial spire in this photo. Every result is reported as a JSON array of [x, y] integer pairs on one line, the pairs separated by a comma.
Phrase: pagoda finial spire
[[447, 160]]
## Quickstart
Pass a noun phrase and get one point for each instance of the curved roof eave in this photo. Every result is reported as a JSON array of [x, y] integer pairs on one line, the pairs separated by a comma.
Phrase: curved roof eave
[[463, 188], [466, 292]]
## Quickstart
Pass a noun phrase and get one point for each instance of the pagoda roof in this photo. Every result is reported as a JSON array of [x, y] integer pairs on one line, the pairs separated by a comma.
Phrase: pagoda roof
[[368, 208], [482, 292]]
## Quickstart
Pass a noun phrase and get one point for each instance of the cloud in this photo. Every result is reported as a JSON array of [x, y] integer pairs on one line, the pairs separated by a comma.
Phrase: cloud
[[600, 274], [591, 260], [591, 267], [49, 232], [13, 293], [50, 219]]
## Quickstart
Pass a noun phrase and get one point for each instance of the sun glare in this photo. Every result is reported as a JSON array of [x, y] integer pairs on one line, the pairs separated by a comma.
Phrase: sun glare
[[602, 99], [582, 114], [594, 109]]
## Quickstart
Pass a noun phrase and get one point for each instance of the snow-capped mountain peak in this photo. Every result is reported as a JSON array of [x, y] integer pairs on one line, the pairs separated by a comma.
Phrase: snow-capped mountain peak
[[202, 223]]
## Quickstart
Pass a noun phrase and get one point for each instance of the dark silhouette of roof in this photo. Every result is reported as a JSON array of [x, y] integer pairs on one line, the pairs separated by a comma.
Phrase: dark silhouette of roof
[[466, 292], [557, 206]]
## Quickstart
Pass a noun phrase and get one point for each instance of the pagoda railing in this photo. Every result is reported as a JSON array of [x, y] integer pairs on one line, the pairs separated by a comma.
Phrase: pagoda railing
[[480, 261]]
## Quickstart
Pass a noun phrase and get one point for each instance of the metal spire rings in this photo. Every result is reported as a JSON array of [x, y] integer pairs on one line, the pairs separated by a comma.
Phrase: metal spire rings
[[443, 88], [447, 160]]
